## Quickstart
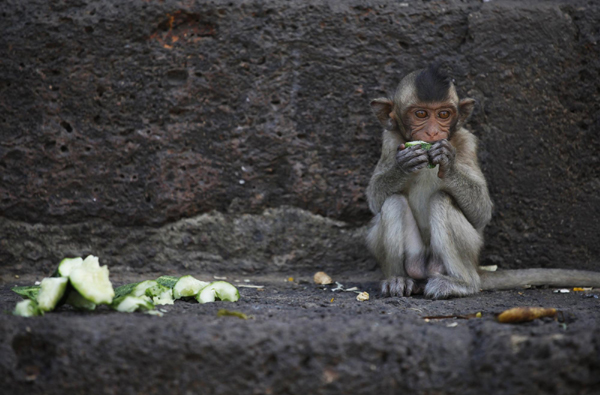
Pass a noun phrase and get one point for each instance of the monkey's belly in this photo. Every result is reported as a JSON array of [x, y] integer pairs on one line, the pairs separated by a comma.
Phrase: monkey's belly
[[423, 186]]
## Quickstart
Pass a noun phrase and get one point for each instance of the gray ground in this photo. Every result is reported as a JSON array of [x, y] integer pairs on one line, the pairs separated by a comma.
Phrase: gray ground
[[302, 338]]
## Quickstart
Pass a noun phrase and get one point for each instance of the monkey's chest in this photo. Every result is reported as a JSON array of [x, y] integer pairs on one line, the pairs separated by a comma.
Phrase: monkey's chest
[[422, 188]]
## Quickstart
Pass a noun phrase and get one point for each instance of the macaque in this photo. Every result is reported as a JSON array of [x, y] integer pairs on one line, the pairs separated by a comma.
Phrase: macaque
[[428, 226]]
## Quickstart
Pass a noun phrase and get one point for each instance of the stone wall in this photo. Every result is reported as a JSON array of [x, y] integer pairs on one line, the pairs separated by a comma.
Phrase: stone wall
[[122, 122]]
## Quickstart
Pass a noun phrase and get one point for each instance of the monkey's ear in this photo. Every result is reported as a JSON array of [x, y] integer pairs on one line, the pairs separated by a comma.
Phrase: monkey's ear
[[382, 108], [465, 109]]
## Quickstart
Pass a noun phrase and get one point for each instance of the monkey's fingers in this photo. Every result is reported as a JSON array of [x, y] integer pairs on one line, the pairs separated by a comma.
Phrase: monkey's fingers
[[442, 143], [441, 158], [416, 164]]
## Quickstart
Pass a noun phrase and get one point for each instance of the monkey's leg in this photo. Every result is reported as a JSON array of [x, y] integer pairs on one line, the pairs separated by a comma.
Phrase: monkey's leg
[[455, 246], [395, 241]]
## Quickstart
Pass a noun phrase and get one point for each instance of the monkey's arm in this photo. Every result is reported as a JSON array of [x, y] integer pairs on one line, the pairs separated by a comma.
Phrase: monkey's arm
[[467, 186], [386, 180], [463, 178], [393, 170]]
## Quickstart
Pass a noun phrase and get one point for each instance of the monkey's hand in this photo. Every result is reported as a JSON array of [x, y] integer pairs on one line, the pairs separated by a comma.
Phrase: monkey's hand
[[411, 159], [442, 153]]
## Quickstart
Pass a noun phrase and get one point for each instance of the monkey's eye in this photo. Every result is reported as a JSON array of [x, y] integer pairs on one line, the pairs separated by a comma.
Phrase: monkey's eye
[[444, 114], [421, 114]]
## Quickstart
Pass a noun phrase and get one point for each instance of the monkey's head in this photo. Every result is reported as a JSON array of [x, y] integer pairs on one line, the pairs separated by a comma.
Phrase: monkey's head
[[425, 107]]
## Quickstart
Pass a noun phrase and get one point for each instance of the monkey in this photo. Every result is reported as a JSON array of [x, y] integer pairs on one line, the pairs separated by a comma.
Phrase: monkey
[[431, 206]]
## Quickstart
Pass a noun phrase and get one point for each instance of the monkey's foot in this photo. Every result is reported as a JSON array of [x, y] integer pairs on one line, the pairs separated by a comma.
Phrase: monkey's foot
[[399, 286], [443, 287]]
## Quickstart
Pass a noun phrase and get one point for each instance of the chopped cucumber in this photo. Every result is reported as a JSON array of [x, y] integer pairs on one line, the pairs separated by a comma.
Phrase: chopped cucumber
[[129, 304], [185, 286], [52, 290], [67, 265], [167, 281], [149, 290], [27, 292], [160, 295], [218, 290], [27, 308], [424, 145], [92, 282], [188, 286], [75, 299]]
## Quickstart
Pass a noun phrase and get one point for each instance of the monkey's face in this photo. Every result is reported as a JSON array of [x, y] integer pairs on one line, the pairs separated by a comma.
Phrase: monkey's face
[[430, 122]]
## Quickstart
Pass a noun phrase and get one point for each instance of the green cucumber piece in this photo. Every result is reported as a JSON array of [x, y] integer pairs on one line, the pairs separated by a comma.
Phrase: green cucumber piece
[[424, 145], [75, 299], [129, 304], [167, 281], [67, 265], [27, 308], [218, 290], [149, 290], [185, 286], [52, 290], [188, 286], [160, 294], [27, 292], [92, 282]]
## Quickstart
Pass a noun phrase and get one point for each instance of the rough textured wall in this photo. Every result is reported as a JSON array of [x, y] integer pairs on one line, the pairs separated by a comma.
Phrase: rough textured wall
[[141, 113]]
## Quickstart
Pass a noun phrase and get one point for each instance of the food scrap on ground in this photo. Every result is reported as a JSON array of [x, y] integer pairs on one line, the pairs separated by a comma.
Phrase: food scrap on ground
[[525, 314], [363, 296], [561, 291], [322, 278], [231, 313]]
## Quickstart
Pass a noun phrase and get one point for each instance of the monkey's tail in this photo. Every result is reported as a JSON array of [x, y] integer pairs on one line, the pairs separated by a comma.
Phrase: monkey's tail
[[520, 278]]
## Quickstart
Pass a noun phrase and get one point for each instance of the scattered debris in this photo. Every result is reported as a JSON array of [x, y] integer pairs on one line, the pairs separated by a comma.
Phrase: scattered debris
[[363, 296], [341, 287], [444, 317], [250, 286], [290, 279], [231, 313], [155, 312], [525, 314], [331, 301], [561, 291], [489, 268], [452, 324], [219, 278], [581, 289], [591, 296], [322, 278]]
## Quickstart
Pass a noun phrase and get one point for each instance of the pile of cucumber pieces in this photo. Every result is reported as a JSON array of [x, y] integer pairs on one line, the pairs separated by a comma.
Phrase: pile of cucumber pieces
[[84, 284]]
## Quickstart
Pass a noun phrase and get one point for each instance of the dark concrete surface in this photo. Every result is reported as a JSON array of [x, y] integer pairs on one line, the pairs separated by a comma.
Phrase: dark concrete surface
[[305, 339]]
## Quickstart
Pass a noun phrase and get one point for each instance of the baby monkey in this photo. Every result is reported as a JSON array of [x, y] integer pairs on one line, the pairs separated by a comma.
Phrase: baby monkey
[[427, 232]]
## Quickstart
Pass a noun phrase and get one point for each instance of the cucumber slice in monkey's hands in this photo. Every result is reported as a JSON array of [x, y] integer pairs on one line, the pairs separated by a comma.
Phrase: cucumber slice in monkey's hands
[[218, 290], [91, 281], [185, 286], [424, 145], [27, 308], [52, 289]]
